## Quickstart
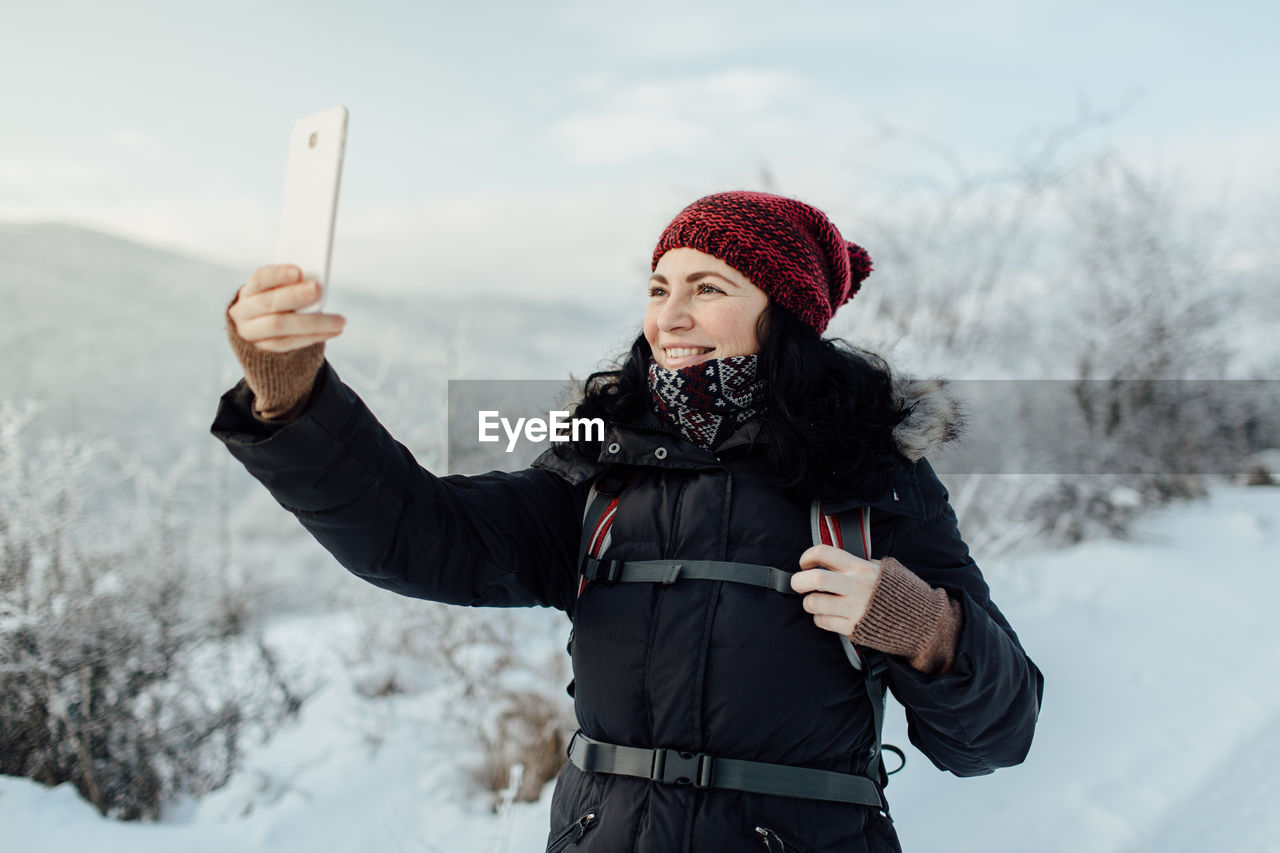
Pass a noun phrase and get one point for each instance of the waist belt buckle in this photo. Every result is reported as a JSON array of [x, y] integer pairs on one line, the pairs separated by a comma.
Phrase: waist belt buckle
[[676, 767], [609, 571]]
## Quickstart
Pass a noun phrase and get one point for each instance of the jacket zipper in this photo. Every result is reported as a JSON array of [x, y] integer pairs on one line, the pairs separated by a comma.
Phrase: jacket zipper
[[573, 833], [771, 840]]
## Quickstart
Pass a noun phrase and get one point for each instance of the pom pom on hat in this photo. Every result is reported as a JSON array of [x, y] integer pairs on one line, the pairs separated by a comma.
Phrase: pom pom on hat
[[859, 266]]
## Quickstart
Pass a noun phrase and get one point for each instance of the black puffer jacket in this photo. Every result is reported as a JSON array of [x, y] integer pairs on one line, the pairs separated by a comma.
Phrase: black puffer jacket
[[706, 666]]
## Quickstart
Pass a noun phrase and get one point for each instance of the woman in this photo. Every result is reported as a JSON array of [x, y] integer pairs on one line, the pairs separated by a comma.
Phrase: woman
[[717, 620]]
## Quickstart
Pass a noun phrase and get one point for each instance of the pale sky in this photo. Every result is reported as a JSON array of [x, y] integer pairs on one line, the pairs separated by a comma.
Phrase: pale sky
[[518, 146]]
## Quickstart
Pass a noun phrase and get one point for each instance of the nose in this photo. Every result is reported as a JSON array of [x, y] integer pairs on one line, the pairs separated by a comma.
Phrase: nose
[[675, 313]]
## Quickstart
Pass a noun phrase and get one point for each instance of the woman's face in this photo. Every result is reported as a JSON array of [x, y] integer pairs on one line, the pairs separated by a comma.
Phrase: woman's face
[[700, 308]]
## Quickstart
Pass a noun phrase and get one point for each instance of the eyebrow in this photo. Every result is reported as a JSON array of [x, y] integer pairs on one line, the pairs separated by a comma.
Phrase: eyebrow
[[694, 276]]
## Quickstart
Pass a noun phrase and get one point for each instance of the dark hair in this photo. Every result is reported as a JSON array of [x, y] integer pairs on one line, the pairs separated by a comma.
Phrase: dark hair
[[830, 409]]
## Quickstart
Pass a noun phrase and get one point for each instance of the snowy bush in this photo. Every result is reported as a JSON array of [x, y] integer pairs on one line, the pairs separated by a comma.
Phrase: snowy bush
[[500, 674], [1093, 273], [1263, 469], [1154, 347], [120, 670]]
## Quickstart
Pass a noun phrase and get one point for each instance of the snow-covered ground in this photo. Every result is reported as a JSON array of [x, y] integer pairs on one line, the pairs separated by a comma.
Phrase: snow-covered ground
[[1160, 729]]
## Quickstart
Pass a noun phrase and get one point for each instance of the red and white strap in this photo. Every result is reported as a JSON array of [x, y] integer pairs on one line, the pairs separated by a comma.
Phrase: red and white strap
[[603, 533], [827, 530]]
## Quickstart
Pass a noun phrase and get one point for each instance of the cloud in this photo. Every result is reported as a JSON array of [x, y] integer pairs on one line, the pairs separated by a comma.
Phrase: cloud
[[48, 174], [131, 139], [657, 29], [692, 117], [615, 137]]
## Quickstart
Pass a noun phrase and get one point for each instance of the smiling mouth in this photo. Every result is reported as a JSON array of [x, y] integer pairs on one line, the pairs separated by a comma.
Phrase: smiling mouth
[[680, 356]]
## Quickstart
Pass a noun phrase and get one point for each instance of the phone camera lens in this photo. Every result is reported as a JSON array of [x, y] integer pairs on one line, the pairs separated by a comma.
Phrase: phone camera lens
[[312, 141]]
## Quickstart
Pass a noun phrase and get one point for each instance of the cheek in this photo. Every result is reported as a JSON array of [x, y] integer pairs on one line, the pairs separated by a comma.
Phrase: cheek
[[650, 327], [651, 335], [740, 330]]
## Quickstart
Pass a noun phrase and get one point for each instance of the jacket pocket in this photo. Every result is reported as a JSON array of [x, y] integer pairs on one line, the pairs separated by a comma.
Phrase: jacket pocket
[[573, 833], [774, 843]]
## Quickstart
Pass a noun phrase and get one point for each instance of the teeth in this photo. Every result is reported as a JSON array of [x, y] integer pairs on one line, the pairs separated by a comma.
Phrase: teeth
[[682, 352]]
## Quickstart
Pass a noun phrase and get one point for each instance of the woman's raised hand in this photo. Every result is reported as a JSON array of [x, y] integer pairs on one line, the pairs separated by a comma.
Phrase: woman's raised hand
[[836, 585], [265, 311]]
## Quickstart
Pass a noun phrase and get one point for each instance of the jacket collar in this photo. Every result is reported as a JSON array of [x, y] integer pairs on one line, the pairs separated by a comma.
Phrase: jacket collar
[[934, 419]]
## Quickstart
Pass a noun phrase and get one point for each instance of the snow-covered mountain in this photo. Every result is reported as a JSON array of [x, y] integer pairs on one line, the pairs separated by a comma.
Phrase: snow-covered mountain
[[120, 340]]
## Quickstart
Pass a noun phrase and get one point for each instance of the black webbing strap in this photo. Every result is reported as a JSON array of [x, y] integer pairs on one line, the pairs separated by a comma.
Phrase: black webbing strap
[[874, 664], [874, 677], [666, 571], [669, 571], [699, 770]]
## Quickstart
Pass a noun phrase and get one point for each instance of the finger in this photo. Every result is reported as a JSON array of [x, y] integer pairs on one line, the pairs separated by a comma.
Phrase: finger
[[288, 297], [272, 275], [292, 343], [835, 559], [825, 604], [828, 557], [277, 300], [283, 298], [288, 323], [837, 624], [817, 579]]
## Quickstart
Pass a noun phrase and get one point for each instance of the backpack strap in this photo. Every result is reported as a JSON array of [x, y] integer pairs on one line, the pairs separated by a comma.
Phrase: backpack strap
[[597, 523], [851, 531], [701, 770], [597, 526], [853, 527], [670, 571], [829, 530]]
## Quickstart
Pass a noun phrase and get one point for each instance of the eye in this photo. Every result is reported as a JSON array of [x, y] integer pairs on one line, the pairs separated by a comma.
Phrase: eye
[[706, 287], [655, 290]]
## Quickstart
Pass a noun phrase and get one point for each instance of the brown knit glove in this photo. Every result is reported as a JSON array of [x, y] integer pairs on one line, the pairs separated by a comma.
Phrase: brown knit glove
[[281, 381], [907, 617]]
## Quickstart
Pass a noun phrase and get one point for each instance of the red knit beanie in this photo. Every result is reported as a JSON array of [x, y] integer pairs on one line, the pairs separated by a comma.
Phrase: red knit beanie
[[787, 248]]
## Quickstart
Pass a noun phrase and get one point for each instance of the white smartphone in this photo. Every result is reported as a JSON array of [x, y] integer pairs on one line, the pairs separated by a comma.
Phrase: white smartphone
[[311, 178]]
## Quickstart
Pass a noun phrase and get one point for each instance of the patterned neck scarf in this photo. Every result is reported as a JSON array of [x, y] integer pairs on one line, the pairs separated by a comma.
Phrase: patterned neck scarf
[[709, 400]]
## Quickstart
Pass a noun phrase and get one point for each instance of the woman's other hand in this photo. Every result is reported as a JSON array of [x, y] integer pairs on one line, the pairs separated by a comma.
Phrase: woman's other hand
[[264, 312], [836, 586]]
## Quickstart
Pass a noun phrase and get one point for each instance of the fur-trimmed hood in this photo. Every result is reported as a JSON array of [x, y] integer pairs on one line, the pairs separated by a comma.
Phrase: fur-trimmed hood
[[935, 417]]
